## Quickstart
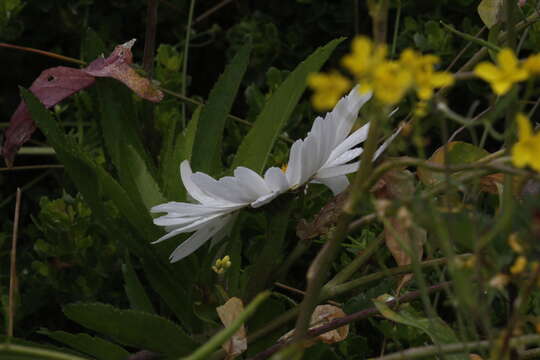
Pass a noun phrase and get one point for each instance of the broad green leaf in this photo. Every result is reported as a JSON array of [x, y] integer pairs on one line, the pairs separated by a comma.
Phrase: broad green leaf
[[132, 328], [256, 146], [138, 299], [183, 147], [207, 146], [145, 184], [435, 328], [94, 346]]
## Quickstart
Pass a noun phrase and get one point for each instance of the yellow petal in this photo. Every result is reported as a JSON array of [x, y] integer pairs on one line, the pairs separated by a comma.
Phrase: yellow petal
[[501, 87], [507, 60], [524, 127], [487, 71]]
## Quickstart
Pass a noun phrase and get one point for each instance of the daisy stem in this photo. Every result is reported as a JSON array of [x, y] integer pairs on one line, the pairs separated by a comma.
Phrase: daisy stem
[[318, 269]]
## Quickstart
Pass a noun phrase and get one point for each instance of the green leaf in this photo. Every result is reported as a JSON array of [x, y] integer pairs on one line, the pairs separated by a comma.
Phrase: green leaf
[[435, 328], [95, 184], [490, 11], [207, 146], [98, 348], [183, 147], [144, 182], [256, 146], [263, 269], [132, 328], [138, 299]]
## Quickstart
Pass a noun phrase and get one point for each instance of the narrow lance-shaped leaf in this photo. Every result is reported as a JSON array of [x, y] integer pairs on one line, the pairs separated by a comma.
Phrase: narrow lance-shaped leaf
[[256, 146], [207, 146]]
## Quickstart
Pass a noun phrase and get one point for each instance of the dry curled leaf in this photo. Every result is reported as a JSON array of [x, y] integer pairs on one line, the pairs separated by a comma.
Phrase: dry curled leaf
[[322, 315], [118, 66], [56, 84], [324, 220], [228, 312]]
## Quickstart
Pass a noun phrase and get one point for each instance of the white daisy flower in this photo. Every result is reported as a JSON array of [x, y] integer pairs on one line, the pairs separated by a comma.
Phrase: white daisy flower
[[218, 202], [322, 157]]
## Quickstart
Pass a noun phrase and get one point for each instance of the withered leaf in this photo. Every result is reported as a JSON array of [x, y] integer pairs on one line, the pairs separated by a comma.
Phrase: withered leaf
[[228, 312], [118, 66], [323, 221], [55, 84], [322, 315], [52, 86]]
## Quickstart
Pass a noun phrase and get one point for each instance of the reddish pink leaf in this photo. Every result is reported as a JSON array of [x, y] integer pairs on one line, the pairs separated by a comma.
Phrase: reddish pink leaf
[[55, 84], [52, 86], [118, 66]]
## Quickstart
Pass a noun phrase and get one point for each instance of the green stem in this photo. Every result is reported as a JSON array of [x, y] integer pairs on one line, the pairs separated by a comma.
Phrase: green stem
[[318, 270], [432, 350], [347, 272], [225, 334], [353, 284], [186, 53], [38, 353], [471, 38]]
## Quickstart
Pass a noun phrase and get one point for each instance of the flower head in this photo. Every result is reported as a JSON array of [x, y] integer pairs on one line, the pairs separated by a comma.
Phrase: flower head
[[505, 75], [323, 156], [525, 151], [426, 79], [365, 56], [390, 82]]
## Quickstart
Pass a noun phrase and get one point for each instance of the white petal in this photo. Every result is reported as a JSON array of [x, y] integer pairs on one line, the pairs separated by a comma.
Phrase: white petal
[[215, 189], [186, 209], [294, 167], [196, 240], [310, 159], [337, 184], [263, 200], [386, 143], [337, 170], [276, 180], [346, 111], [175, 221], [347, 156], [251, 181], [352, 140], [194, 226], [193, 190]]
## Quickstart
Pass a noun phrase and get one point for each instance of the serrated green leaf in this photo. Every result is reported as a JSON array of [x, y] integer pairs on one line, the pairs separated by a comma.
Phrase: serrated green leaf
[[94, 346], [183, 147], [435, 328], [138, 299], [207, 146], [132, 328], [256, 146]]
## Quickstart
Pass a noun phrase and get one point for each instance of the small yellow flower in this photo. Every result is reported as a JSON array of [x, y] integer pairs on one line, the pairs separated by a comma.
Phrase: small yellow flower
[[505, 75], [532, 64], [328, 88], [222, 265], [519, 265], [514, 243], [365, 56], [390, 82], [526, 151]]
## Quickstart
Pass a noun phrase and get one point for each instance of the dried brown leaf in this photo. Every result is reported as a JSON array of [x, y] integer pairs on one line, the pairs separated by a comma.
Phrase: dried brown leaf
[[323, 221], [228, 312]]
